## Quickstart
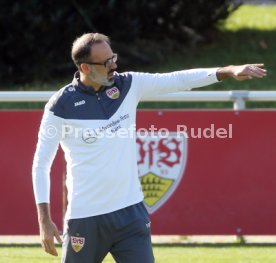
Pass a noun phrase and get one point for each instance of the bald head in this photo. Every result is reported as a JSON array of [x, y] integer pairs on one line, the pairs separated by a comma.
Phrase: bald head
[[82, 46]]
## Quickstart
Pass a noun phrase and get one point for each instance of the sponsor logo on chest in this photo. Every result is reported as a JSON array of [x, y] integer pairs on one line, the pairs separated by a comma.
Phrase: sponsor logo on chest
[[113, 93], [78, 103]]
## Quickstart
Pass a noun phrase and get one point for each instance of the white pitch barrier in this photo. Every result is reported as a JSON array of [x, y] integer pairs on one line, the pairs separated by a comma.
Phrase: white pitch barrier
[[238, 97]]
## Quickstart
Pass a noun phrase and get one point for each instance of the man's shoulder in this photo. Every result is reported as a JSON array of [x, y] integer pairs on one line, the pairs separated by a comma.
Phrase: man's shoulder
[[123, 75], [60, 97], [130, 75], [127, 74], [123, 79], [123, 82]]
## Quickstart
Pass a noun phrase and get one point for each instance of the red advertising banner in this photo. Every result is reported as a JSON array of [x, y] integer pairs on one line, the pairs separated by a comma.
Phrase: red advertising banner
[[229, 181], [18, 216], [202, 172]]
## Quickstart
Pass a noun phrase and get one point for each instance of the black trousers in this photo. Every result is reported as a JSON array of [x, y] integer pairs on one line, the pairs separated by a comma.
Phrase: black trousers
[[124, 233]]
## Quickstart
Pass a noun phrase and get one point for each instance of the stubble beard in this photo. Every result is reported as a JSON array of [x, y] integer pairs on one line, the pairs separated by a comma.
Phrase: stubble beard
[[104, 81]]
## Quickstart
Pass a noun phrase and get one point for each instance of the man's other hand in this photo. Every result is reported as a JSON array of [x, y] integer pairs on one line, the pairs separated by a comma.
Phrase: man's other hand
[[242, 72]]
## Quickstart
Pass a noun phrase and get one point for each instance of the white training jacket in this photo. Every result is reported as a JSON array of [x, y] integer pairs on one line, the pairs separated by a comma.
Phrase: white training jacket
[[102, 174]]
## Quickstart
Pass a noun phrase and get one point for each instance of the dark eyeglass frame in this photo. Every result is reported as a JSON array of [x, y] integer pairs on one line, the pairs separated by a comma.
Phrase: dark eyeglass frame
[[106, 63]]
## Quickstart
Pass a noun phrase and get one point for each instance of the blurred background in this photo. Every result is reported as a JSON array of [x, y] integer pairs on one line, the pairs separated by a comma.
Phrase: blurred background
[[155, 36]]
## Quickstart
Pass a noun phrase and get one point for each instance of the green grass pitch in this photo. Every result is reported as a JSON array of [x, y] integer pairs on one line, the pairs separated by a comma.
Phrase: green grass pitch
[[163, 254]]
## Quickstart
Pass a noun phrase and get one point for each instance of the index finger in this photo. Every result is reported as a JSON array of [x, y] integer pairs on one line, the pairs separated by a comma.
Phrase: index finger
[[258, 65], [57, 236]]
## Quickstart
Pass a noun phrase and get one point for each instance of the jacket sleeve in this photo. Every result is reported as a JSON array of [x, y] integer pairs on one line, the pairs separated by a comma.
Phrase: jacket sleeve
[[49, 136], [149, 85]]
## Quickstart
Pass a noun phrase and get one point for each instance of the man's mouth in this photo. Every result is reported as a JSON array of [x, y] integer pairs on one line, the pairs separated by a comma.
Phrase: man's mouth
[[111, 74]]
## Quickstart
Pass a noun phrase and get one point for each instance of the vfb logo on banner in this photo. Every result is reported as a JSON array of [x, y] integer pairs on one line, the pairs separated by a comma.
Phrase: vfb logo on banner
[[161, 164]]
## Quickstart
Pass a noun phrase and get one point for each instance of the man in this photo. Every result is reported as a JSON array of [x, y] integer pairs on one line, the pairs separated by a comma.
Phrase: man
[[105, 211]]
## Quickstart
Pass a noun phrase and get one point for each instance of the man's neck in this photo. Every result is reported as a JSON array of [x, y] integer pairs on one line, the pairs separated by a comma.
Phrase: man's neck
[[89, 83]]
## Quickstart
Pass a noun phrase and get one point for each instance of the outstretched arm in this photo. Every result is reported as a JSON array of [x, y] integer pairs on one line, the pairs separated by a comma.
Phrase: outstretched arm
[[148, 85], [242, 72]]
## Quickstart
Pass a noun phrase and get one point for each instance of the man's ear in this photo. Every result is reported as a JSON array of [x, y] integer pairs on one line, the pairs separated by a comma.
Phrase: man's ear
[[85, 68]]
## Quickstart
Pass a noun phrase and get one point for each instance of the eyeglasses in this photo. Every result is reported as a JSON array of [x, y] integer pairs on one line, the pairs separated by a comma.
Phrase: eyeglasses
[[107, 63]]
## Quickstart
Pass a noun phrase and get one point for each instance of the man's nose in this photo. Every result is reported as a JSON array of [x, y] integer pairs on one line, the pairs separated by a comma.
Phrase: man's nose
[[114, 65]]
